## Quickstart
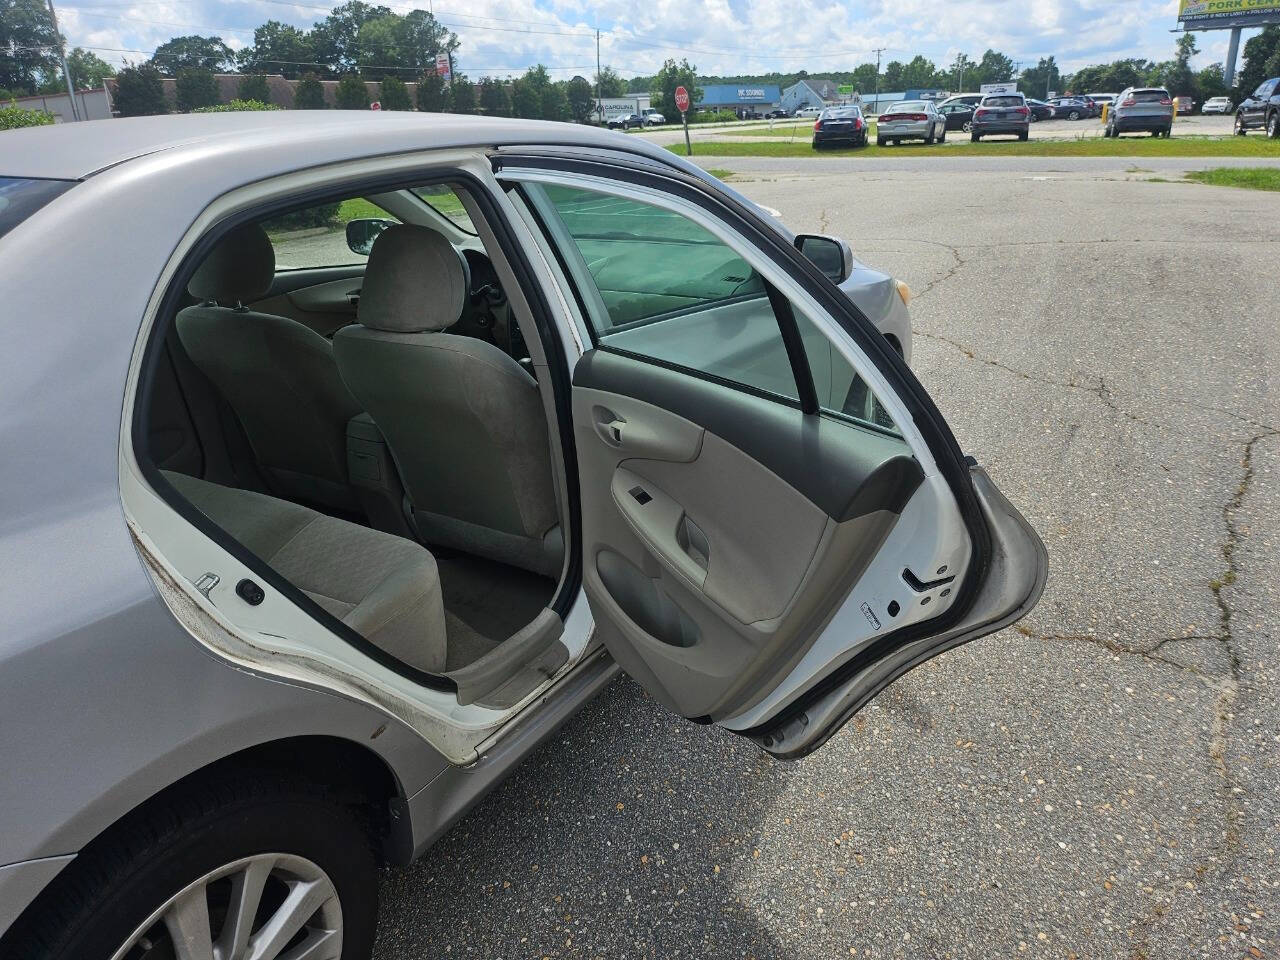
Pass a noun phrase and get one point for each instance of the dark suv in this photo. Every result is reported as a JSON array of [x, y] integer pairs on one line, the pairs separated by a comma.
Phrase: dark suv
[[1261, 109]]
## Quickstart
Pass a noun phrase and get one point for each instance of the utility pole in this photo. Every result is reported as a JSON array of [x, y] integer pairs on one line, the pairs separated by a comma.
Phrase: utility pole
[[878, 51], [66, 71]]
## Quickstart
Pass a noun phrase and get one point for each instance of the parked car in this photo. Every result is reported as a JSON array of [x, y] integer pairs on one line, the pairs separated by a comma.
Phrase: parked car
[[969, 99], [911, 120], [776, 114], [1261, 110], [840, 125], [958, 115], [1099, 100], [1039, 110], [1217, 105], [1071, 108], [809, 111], [256, 640], [1141, 110], [1001, 113], [626, 121], [1185, 104], [652, 118]]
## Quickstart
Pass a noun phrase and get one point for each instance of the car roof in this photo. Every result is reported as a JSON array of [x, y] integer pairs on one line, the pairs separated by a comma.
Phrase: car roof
[[73, 151]]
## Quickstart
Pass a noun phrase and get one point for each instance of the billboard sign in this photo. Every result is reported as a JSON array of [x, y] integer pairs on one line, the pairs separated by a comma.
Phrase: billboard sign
[[1211, 14], [995, 89], [749, 94]]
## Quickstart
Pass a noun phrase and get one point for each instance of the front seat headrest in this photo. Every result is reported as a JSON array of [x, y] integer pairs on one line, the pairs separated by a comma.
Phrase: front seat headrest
[[239, 269], [415, 281]]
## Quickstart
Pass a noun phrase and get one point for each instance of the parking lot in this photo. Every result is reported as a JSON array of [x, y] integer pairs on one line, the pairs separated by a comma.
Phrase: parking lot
[[1097, 782]]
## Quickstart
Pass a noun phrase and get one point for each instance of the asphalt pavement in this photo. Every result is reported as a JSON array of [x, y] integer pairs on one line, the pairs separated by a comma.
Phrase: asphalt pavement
[[1100, 781]]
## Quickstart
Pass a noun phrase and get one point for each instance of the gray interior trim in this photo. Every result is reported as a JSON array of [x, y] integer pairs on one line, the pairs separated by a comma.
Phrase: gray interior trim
[[519, 655], [847, 471]]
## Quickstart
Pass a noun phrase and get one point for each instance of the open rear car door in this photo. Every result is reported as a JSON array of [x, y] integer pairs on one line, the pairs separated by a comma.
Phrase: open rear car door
[[776, 520]]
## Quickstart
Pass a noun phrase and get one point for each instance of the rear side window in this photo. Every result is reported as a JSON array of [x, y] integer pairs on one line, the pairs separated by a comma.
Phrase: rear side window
[[20, 197], [317, 236]]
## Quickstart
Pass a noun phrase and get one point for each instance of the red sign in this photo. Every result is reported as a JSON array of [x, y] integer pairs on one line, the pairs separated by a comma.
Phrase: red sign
[[682, 99], [376, 105]]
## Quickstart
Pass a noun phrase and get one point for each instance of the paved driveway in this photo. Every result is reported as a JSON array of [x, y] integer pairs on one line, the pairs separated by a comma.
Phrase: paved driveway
[[1101, 782]]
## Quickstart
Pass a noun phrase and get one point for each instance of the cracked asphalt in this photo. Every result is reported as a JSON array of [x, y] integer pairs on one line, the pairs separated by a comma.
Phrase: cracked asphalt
[[1099, 781]]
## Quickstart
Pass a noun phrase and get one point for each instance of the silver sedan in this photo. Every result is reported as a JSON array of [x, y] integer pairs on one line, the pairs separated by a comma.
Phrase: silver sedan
[[911, 120]]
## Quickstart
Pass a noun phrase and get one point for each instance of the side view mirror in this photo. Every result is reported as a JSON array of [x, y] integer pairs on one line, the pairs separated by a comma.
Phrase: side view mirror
[[831, 255], [361, 233]]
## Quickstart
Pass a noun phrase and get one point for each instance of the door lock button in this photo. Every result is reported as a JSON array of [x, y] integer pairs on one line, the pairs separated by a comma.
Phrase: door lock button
[[250, 592]]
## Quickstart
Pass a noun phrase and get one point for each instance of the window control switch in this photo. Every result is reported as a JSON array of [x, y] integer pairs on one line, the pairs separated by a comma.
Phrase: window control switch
[[641, 495]]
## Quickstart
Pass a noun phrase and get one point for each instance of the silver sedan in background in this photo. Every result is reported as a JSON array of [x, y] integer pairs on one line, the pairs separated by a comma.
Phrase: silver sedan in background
[[911, 120]]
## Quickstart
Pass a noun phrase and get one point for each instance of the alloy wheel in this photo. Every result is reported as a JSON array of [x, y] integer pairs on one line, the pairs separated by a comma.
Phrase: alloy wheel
[[1273, 126], [265, 907]]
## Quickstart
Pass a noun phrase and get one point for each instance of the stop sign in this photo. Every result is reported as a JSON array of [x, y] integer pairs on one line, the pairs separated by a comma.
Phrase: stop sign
[[682, 99], [376, 105]]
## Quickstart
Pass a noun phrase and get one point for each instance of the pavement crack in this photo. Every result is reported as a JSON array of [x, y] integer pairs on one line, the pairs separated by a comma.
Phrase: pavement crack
[[824, 221], [1148, 652]]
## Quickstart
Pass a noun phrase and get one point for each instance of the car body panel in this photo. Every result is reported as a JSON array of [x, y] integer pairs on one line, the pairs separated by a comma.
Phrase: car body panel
[[1255, 109]]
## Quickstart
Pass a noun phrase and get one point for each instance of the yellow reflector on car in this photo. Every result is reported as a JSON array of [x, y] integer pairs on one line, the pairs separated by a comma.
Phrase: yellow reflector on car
[[904, 292]]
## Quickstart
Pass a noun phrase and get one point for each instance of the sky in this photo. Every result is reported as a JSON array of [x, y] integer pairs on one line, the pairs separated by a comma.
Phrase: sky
[[720, 37]]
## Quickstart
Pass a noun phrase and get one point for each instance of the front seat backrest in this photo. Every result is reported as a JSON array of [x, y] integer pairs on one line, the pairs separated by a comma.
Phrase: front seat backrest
[[464, 422], [278, 375]]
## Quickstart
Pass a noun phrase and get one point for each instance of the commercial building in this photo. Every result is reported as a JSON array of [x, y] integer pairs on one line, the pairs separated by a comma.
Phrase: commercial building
[[92, 105], [810, 92], [759, 98]]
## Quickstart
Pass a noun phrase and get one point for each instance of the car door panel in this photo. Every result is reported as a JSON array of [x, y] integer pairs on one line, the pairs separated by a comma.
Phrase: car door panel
[[752, 549], [323, 299]]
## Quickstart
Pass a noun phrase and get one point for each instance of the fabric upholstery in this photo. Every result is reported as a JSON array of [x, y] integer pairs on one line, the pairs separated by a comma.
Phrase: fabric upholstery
[[384, 587], [238, 270], [466, 427], [415, 280], [280, 378]]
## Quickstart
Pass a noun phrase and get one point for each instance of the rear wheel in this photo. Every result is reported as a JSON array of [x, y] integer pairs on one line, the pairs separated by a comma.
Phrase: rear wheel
[[974, 137], [1024, 134], [967, 126], [1273, 125], [1239, 127], [249, 867], [942, 137], [880, 141], [1073, 115]]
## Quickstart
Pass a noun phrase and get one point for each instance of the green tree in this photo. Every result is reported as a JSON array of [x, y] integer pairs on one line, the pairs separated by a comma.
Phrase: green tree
[[433, 95], [672, 75], [88, 70], [140, 91], [309, 94], [334, 38], [555, 102], [206, 53], [962, 71], [580, 98], [495, 101], [393, 94], [28, 46], [994, 67], [528, 93], [351, 93], [1209, 82], [893, 73], [1258, 50], [195, 87], [253, 86], [918, 74], [610, 83], [1037, 81], [278, 48], [463, 92]]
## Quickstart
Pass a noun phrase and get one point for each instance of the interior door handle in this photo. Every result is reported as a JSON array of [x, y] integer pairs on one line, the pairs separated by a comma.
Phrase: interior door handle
[[611, 431]]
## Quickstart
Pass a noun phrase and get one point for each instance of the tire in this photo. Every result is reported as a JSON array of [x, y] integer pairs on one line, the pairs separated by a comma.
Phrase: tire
[[1273, 126], [1073, 115], [967, 126], [115, 891], [1033, 118], [1155, 133], [880, 141], [942, 137], [1024, 135], [928, 140], [1239, 127], [974, 137]]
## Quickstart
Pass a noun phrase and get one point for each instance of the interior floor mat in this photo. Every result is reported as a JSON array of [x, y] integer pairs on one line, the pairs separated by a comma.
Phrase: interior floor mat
[[485, 602]]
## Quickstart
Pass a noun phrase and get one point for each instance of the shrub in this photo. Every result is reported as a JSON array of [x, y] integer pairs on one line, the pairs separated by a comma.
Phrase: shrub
[[140, 92], [254, 87], [309, 94], [14, 116], [319, 216], [236, 105], [709, 116], [195, 87], [351, 93], [394, 95]]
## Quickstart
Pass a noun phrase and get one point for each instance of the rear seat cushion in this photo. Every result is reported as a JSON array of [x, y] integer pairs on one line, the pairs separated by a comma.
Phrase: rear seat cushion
[[384, 587]]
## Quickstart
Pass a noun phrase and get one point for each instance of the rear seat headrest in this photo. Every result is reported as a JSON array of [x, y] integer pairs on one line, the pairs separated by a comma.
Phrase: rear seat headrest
[[239, 269]]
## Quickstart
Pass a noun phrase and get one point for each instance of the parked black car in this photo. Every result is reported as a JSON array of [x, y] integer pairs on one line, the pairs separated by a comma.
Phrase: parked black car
[[959, 115], [626, 122], [1261, 109], [1001, 113], [1040, 110], [1072, 108], [840, 125], [776, 114]]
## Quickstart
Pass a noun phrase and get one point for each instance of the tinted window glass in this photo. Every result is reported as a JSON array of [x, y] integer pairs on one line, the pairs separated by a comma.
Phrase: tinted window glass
[[673, 291], [909, 106], [445, 202], [1149, 96], [21, 197], [1002, 102]]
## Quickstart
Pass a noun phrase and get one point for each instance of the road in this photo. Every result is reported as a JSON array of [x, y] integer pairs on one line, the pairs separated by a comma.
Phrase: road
[[1099, 782]]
